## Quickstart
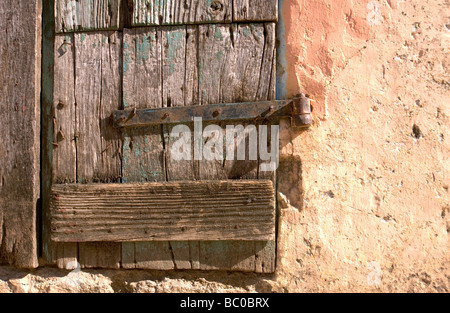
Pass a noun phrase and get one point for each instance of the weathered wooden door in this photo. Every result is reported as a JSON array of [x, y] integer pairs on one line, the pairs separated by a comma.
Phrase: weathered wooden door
[[112, 55]]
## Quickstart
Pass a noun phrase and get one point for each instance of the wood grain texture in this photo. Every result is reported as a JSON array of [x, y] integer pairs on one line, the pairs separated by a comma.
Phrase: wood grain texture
[[66, 255], [99, 255], [236, 65], [173, 12], [182, 66], [98, 70], [63, 144], [84, 15], [180, 88], [63, 109], [187, 210], [85, 146], [98, 94], [255, 10], [20, 72], [143, 149], [206, 64]]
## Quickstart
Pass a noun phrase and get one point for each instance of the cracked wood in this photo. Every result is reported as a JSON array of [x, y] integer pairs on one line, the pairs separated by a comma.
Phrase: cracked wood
[[199, 63], [20, 73], [83, 15], [184, 210], [85, 146], [172, 12]]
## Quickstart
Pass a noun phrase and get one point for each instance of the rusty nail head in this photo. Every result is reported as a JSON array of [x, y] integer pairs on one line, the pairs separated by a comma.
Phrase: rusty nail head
[[217, 112], [166, 115]]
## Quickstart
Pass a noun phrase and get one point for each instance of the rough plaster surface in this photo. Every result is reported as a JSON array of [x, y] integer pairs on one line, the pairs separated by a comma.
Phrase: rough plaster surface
[[363, 195]]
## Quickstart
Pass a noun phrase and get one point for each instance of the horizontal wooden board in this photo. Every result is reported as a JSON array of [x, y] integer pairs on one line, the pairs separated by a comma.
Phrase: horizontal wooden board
[[173, 12], [88, 15], [182, 210], [255, 10], [82, 15]]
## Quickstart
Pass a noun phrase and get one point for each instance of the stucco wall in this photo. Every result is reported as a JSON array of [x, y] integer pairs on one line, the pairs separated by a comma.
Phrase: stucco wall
[[375, 199], [363, 194]]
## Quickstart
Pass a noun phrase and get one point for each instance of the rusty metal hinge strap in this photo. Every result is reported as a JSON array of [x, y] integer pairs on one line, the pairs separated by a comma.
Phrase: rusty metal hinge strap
[[297, 109]]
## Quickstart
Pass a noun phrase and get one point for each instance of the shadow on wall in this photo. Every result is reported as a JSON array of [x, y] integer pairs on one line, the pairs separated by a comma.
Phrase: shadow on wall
[[289, 174]]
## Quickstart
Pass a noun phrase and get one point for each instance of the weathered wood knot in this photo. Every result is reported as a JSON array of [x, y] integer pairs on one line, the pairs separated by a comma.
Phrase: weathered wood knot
[[216, 6]]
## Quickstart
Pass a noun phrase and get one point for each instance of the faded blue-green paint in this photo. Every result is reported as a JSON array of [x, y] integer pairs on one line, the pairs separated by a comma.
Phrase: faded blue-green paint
[[175, 42], [144, 47], [126, 60], [218, 34], [83, 37], [125, 158], [219, 55], [125, 104]]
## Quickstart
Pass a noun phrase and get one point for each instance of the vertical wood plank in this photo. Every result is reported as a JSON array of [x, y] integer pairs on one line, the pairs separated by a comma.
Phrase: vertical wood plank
[[236, 65], [142, 88], [63, 143], [20, 74], [82, 15], [143, 149], [67, 255], [99, 255], [180, 88], [64, 149], [179, 44], [154, 255], [97, 93]]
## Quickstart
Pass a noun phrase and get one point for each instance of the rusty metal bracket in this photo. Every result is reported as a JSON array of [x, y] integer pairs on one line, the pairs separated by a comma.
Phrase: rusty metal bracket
[[298, 110]]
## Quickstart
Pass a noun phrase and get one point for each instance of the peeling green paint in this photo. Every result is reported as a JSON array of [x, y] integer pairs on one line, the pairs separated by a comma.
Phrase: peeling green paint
[[218, 34], [144, 47], [175, 42], [126, 59], [218, 55]]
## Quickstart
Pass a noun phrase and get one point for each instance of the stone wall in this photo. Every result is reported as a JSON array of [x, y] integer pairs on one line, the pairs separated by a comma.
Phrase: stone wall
[[363, 194]]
